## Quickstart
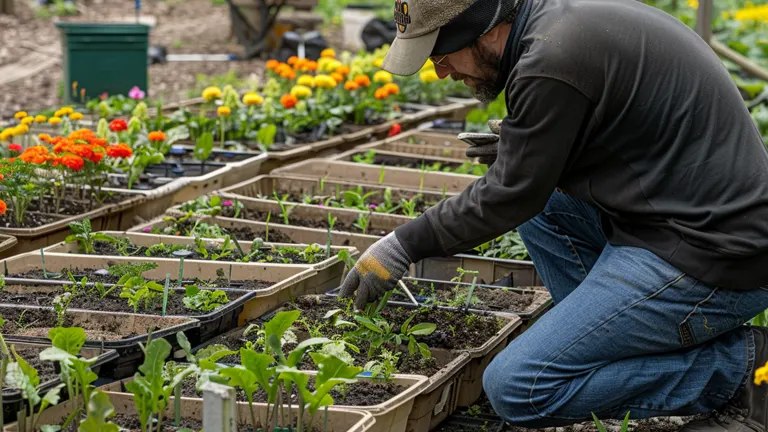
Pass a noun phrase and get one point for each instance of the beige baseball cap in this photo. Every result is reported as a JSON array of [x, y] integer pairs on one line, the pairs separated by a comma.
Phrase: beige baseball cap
[[418, 27]]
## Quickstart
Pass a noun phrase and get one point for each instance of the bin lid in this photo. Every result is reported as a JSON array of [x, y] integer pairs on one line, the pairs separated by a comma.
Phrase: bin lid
[[73, 27]]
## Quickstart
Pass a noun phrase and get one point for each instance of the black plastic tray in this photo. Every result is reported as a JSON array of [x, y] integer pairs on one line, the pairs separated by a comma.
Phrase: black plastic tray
[[472, 424], [13, 402]]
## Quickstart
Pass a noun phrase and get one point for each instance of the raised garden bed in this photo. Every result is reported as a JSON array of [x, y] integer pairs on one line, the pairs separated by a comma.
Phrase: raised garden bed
[[335, 194], [491, 271], [339, 419], [333, 170], [13, 402], [412, 161]]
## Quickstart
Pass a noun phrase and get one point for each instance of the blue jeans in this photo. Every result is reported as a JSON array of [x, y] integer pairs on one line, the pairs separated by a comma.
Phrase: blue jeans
[[629, 332]]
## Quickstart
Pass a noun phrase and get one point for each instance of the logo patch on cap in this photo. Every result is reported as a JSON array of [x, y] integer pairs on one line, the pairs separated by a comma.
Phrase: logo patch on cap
[[402, 18]]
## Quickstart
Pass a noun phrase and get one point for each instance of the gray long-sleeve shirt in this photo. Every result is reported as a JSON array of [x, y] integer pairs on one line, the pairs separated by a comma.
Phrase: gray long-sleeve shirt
[[624, 107]]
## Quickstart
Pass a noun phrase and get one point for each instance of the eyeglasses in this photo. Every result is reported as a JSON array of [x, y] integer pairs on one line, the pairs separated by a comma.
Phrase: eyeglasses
[[439, 62]]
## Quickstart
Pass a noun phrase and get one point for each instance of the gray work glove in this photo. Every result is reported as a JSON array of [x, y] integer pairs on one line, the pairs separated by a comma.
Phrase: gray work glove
[[376, 272], [484, 146]]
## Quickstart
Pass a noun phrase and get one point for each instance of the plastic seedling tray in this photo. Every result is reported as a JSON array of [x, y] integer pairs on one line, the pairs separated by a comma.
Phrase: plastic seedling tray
[[418, 137], [332, 170], [391, 158], [470, 424], [492, 271], [423, 150], [13, 402], [339, 419]]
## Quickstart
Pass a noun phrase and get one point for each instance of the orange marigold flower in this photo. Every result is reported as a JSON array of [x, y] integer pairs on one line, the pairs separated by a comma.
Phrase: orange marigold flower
[[272, 64], [98, 142], [223, 111], [289, 101], [337, 77], [343, 69], [73, 162], [381, 94], [156, 136], [351, 85], [121, 150], [310, 65], [96, 156], [392, 88], [82, 150], [37, 155], [82, 135], [2, 177], [363, 80], [3, 207], [44, 137], [300, 64], [292, 60], [288, 74], [282, 67], [118, 125]]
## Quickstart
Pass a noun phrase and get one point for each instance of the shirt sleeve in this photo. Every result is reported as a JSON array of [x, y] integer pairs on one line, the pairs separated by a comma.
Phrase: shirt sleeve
[[546, 119]]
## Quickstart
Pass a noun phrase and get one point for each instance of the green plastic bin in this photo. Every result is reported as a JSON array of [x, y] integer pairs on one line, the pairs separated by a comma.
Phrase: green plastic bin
[[103, 58]]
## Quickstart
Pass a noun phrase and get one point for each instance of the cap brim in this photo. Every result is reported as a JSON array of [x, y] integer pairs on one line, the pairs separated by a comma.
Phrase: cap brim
[[407, 56]]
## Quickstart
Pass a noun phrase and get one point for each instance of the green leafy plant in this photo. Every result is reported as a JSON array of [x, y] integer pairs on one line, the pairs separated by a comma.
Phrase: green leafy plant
[[368, 158], [140, 292], [84, 236], [363, 222], [204, 300], [128, 270], [601, 428], [204, 147], [285, 209], [60, 306], [384, 366], [409, 206]]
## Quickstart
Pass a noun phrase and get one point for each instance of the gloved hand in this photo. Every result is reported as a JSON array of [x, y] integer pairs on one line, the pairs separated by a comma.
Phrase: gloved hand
[[484, 146], [377, 271]]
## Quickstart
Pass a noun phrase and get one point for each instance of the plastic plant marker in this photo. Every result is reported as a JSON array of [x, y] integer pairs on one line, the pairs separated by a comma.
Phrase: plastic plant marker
[[471, 291], [5, 268], [403, 287], [165, 294], [229, 276], [176, 395], [42, 258], [219, 405]]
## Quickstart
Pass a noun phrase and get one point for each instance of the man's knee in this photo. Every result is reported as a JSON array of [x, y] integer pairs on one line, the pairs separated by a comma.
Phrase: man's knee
[[508, 382]]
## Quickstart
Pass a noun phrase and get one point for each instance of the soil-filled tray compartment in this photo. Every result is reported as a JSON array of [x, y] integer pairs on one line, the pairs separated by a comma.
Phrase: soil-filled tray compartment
[[117, 216], [164, 246], [419, 137], [311, 216], [425, 150], [331, 170], [378, 157], [13, 402], [390, 402], [248, 230], [216, 321], [492, 271], [469, 424], [339, 419], [526, 302]]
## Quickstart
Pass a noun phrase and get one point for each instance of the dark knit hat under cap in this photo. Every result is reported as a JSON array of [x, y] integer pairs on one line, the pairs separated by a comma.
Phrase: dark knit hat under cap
[[439, 27]]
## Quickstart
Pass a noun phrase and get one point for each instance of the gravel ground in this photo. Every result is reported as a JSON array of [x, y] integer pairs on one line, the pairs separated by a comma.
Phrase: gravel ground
[[182, 26]]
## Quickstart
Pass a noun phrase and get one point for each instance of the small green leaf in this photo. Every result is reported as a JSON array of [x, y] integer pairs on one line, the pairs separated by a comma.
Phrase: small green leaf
[[422, 329], [69, 339]]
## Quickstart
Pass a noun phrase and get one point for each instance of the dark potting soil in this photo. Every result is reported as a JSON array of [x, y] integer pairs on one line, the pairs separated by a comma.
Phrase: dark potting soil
[[457, 426], [456, 329], [268, 255], [415, 163], [37, 323], [261, 216], [361, 393], [240, 233], [31, 220], [132, 424], [45, 370], [91, 301], [376, 200], [497, 299], [658, 424]]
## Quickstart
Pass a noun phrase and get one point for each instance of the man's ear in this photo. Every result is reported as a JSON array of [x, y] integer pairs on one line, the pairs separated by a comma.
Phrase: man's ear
[[497, 37]]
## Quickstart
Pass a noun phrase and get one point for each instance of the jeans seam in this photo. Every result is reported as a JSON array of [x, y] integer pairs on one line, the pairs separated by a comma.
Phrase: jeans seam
[[575, 216], [650, 296], [576, 254]]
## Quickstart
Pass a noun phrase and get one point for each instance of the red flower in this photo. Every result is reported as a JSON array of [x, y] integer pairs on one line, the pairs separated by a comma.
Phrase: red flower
[[118, 125], [96, 156], [289, 101], [14, 147], [119, 151], [82, 150], [156, 136], [3, 207], [394, 130], [73, 162]]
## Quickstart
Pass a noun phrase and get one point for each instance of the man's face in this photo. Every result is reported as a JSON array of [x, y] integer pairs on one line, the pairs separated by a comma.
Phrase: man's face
[[477, 66]]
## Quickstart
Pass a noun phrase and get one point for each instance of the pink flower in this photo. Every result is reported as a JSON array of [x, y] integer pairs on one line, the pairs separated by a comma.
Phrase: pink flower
[[136, 93], [104, 96], [372, 206], [227, 203], [14, 147], [320, 205], [147, 229]]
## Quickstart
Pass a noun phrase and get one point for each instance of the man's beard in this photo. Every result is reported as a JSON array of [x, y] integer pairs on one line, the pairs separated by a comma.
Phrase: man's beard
[[488, 88]]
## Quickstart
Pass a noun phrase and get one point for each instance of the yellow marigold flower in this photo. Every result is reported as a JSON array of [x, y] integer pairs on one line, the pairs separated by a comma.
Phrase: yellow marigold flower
[[252, 98], [76, 116], [325, 81], [20, 115], [301, 92], [223, 111], [211, 94], [66, 110], [752, 13], [54, 120], [306, 80], [761, 375], [58, 113], [378, 62], [382, 77], [693, 3], [428, 76], [40, 118], [328, 52], [27, 120], [20, 130]]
